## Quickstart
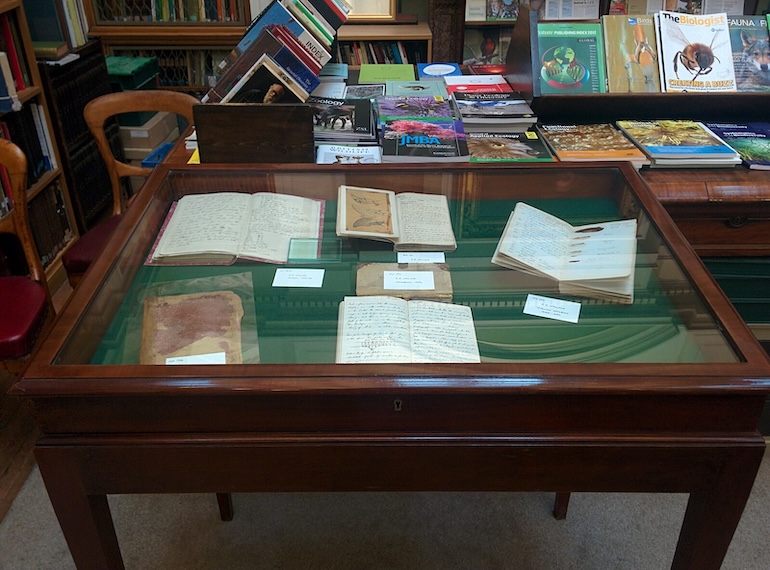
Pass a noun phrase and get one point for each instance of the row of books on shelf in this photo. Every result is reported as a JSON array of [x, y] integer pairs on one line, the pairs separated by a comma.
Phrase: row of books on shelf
[[663, 52], [12, 46], [362, 52], [28, 129], [50, 226], [55, 27]]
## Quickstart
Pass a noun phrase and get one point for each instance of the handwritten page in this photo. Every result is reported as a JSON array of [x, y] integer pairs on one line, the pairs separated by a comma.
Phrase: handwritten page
[[536, 239], [424, 220], [373, 329], [442, 332], [274, 220], [201, 224], [382, 329]]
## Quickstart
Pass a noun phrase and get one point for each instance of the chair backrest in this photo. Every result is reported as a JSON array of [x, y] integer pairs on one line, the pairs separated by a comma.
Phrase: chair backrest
[[17, 220], [98, 110]]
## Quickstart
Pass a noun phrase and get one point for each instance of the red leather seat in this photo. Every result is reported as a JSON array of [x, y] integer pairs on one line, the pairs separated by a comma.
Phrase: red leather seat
[[25, 308], [82, 253]]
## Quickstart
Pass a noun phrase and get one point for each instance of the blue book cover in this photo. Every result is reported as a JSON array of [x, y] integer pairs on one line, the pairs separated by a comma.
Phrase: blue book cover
[[434, 70], [750, 140], [675, 139], [298, 70]]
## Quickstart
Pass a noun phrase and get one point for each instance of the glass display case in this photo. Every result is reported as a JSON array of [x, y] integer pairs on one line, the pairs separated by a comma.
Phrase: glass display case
[[663, 393]]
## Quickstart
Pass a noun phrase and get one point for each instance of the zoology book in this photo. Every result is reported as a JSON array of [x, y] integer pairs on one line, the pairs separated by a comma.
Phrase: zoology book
[[695, 52], [412, 221], [219, 228], [383, 329], [571, 58], [594, 260]]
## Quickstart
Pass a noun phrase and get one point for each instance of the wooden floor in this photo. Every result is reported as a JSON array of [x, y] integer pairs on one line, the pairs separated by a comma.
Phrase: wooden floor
[[18, 431]]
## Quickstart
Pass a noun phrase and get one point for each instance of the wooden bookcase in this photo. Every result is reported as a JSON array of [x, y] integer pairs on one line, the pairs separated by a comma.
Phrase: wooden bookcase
[[51, 213], [416, 39], [188, 47]]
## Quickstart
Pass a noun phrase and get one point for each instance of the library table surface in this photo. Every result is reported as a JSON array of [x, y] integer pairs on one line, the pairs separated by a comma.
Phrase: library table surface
[[663, 395]]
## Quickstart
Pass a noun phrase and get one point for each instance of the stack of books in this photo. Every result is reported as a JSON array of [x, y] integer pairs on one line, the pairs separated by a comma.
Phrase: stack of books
[[420, 129], [280, 57], [750, 140], [333, 79], [679, 143], [488, 112]]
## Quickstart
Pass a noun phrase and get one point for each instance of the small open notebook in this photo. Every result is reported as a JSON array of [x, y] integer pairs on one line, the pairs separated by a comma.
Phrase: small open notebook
[[593, 260]]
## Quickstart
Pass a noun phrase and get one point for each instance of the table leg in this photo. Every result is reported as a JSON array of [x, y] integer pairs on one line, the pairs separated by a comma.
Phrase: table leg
[[85, 519], [713, 514]]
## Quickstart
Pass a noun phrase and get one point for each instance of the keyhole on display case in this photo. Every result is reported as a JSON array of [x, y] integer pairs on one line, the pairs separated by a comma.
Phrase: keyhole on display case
[[397, 405]]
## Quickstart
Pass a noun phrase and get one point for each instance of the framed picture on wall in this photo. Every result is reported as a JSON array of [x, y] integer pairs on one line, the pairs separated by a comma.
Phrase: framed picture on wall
[[372, 10]]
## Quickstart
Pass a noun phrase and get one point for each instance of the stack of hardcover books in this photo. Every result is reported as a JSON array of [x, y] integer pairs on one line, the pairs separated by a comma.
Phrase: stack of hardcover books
[[280, 57], [596, 142]]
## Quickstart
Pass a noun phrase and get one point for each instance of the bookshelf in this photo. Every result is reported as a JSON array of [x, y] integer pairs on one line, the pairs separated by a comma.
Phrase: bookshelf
[[188, 42], [416, 40], [68, 89], [30, 127]]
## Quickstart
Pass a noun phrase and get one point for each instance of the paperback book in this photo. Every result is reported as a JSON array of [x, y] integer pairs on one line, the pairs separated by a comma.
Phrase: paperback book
[[695, 53], [508, 147], [750, 140], [591, 142], [381, 329], [265, 82], [344, 154], [422, 87], [594, 260], [679, 143], [437, 70], [424, 140], [412, 221], [571, 58], [751, 52], [632, 54], [492, 83], [382, 72], [266, 43], [219, 228], [415, 107], [493, 111], [343, 120]]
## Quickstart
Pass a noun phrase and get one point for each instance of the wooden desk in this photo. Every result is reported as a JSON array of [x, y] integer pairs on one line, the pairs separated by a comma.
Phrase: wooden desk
[[612, 405]]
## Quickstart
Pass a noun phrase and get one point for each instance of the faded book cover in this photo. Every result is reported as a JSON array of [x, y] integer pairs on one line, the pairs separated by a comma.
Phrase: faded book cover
[[632, 55], [192, 325]]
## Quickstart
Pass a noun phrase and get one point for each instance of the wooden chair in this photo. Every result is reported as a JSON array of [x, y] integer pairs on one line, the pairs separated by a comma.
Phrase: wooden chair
[[27, 308], [78, 258]]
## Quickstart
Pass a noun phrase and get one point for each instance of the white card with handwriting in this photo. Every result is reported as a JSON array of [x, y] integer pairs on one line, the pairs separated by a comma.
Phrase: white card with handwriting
[[548, 308], [421, 257], [210, 358], [289, 277], [408, 280]]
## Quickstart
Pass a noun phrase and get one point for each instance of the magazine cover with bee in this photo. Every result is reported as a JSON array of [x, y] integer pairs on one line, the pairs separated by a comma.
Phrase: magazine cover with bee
[[695, 52], [571, 57]]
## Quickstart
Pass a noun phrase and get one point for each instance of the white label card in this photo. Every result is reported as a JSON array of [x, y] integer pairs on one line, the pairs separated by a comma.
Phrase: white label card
[[408, 280], [421, 257], [210, 358], [549, 308], [286, 277]]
